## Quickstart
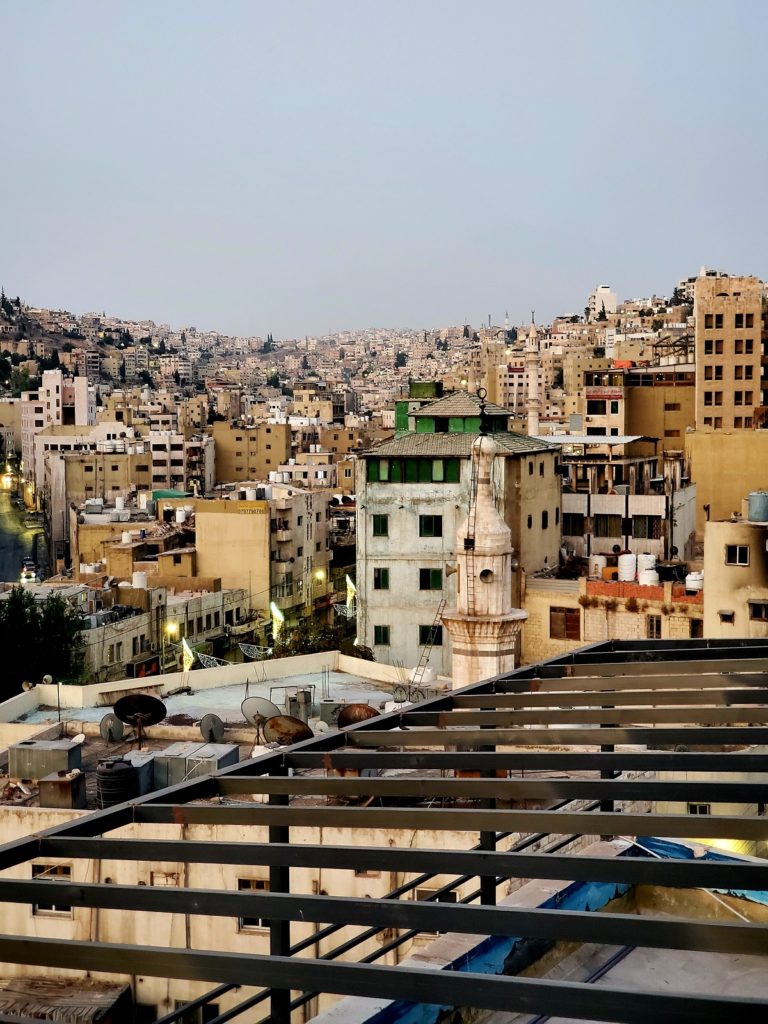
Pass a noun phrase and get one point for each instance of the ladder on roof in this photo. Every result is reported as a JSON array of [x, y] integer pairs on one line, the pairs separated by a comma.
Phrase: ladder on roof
[[426, 650]]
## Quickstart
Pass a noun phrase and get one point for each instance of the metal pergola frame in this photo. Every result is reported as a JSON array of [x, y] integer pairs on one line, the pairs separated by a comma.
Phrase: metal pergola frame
[[675, 701]]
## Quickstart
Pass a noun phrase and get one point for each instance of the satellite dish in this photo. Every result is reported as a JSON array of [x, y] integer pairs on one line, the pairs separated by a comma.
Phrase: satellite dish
[[212, 728], [257, 710], [285, 730], [354, 713], [111, 728], [140, 710], [79, 739], [27, 685]]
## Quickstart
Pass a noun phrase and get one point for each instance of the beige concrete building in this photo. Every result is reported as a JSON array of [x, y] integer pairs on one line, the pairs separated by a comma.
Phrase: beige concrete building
[[726, 465], [728, 316], [250, 452], [736, 573]]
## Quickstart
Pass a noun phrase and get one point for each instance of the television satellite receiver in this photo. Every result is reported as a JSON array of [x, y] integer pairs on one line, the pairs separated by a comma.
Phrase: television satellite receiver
[[111, 728], [212, 728], [354, 713], [257, 710], [79, 740], [140, 710], [285, 730]]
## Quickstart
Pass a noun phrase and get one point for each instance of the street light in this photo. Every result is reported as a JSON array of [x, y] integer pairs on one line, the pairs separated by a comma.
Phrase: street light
[[172, 632]]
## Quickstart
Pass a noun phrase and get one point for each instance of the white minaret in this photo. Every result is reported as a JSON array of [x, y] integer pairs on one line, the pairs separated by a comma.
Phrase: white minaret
[[532, 373], [484, 625]]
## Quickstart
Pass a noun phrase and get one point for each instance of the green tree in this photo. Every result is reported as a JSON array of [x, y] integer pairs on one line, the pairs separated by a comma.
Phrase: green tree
[[602, 315], [23, 621], [401, 359], [5, 370], [273, 380]]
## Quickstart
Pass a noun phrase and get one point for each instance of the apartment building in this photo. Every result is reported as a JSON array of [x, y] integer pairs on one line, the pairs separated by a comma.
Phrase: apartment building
[[181, 463], [413, 494], [250, 452], [728, 318], [736, 572]]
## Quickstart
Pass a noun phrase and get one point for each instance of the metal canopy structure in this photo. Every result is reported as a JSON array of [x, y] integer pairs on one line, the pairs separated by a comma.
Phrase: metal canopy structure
[[624, 712]]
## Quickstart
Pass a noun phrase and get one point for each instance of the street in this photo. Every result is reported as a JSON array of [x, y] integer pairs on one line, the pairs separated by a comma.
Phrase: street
[[16, 542]]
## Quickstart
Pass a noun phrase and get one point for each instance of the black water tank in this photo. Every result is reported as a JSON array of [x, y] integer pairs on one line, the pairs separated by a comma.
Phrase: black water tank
[[116, 782]]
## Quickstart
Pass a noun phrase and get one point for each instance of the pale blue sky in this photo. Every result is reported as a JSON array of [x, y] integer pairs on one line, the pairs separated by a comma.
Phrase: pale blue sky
[[298, 166]]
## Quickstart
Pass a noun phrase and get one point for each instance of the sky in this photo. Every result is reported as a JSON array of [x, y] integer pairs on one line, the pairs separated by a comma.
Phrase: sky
[[304, 167]]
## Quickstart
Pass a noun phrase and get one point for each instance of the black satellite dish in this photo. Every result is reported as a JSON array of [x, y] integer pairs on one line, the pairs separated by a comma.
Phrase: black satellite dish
[[212, 728], [111, 728], [140, 710], [285, 729]]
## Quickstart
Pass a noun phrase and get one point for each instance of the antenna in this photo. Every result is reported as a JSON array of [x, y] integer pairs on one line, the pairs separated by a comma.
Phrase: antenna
[[212, 729], [140, 710], [285, 730]]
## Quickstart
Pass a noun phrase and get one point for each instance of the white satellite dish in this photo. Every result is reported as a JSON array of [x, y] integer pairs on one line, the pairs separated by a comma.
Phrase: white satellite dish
[[79, 739]]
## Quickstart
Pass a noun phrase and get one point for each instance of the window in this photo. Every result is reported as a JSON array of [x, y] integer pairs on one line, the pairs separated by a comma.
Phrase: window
[[749, 320], [430, 635], [614, 408], [718, 347], [573, 524], [252, 885], [530, 469], [748, 347], [530, 522], [718, 321], [646, 527], [708, 321], [565, 624], [544, 520], [430, 579], [699, 808], [737, 554], [596, 407], [381, 579], [758, 611], [709, 347], [675, 406], [381, 636], [88, 469], [697, 629], [607, 526], [653, 627], [430, 526], [738, 320], [380, 526], [727, 617], [52, 873]]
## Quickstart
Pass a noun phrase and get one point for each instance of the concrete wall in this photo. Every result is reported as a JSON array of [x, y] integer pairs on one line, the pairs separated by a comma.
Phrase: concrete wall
[[731, 588], [726, 466]]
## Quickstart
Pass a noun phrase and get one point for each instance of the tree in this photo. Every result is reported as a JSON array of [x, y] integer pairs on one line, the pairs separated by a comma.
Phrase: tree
[[309, 637], [23, 621], [273, 380], [586, 314], [5, 370], [304, 363], [401, 359], [602, 315], [678, 299]]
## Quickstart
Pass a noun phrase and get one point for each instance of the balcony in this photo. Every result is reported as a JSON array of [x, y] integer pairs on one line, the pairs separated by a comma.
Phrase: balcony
[[283, 536]]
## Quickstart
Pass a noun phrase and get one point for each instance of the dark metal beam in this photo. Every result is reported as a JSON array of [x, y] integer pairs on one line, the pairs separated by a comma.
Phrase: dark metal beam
[[535, 761], [557, 737], [615, 680], [631, 870], [421, 915], [502, 789], [572, 716], [579, 697], [471, 820], [444, 988]]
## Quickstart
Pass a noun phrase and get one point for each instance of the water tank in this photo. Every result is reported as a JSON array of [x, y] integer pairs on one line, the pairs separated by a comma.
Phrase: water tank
[[645, 561], [139, 580], [758, 506], [126, 536], [116, 782], [250, 494], [181, 515], [143, 498], [596, 565], [627, 568], [150, 507], [694, 582], [167, 513], [648, 578], [119, 503]]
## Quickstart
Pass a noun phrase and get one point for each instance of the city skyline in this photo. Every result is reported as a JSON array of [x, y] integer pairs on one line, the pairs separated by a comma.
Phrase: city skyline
[[309, 170]]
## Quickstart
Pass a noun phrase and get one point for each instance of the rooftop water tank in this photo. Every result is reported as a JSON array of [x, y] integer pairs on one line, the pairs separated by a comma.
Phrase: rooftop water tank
[[181, 515], [139, 580], [250, 494], [116, 782], [596, 565], [758, 506], [627, 568], [126, 536], [694, 582]]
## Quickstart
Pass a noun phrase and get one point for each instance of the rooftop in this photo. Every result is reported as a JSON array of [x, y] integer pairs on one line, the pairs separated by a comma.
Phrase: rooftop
[[462, 403], [456, 445]]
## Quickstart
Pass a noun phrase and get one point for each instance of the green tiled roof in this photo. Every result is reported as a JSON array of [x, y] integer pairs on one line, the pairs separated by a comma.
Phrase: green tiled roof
[[457, 445], [460, 404]]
